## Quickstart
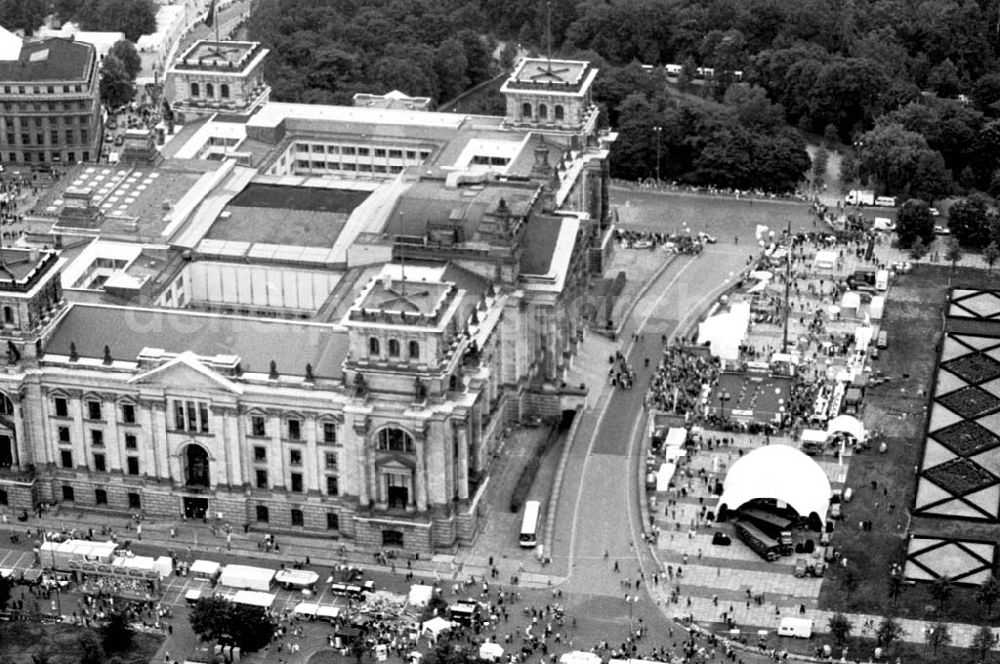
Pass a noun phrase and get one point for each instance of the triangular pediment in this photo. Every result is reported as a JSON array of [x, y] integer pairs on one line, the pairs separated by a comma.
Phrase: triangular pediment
[[186, 372]]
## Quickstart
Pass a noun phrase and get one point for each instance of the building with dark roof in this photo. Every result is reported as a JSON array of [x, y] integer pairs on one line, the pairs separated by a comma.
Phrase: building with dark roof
[[50, 112]]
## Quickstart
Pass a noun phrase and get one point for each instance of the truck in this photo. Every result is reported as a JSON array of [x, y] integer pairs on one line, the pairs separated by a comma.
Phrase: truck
[[775, 526], [798, 627], [860, 197], [761, 544]]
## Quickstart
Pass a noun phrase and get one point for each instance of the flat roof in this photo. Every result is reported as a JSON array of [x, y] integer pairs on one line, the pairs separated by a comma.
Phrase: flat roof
[[127, 330], [314, 199], [48, 60], [209, 55], [540, 236]]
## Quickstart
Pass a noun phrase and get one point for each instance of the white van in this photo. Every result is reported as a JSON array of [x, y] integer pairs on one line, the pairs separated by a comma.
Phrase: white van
[[885, 201], [801, 628]]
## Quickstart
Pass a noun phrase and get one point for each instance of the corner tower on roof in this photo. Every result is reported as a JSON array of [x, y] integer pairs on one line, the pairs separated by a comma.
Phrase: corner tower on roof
[[553, 97]]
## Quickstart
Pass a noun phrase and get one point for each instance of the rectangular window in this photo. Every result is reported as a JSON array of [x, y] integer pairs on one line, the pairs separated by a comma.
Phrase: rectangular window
[[53, 137], [257, 425], [297, 482], [10, 139], [263, 515], [131, 442], [329, 432], [69, 137], [259, 453], [295, 457], [297, 519], [68, 494], [332, 521], [25, 139], [132, 465], [331, 460], [62, 407], [93, 410], [379, 152], [179, 416], [301, 147], [294, 429], [100, 496], [395, 154], [332, 488], [348, 150], [40, 138], [134, 501], [364, 168], [100, 464], [318, 148], [362, 152], [411, 154], [319, 164], [83, 139], [97, 438], [424, 154], [64, 435], [128, 413], [203, 416], [261, 479], [192, 415], [66, 457]]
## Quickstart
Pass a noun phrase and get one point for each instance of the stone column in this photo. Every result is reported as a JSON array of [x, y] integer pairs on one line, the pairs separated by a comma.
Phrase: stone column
[[275, 452], [420, 474], [112, 444], [147, 439], [461, 432], [363, 462]]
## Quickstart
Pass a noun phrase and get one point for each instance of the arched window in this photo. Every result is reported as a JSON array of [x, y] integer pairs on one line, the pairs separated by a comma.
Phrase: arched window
[[393, 348], [414, 350], [373, 346], [543, 112], [195, 90], [558, 112], [8, 315], [395, 440], [526, 109], [224, 91], [209, 90]]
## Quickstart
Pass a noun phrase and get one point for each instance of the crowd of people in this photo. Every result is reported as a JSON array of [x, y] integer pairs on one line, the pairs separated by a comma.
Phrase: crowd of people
[[620, 374]]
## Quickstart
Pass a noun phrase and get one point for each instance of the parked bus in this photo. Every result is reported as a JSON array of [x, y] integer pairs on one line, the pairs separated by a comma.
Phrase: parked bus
[[762, 545], [529, 525]]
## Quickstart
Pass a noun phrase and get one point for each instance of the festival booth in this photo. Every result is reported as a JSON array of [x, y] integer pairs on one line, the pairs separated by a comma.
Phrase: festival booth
[[724, 332], [435, 626], [253, 598], [205, 569], [877, 307], [813, 440], [162, 566], [314, 611], [673, 447], [850, 304], [490, 651], [420, 595], [825, 260], [60, 554], [245, 577], [849, 425], [299, 579], [137, 582]]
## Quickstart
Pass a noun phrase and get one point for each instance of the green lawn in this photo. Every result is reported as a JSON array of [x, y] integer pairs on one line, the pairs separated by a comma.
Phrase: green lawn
[[914, 324]]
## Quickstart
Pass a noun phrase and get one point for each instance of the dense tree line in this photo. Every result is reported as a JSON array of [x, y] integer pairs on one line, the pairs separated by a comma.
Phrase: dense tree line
[[325, 51], [133, 17]]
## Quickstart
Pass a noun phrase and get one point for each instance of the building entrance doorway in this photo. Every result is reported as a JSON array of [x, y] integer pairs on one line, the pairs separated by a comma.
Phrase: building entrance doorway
[[195, 508], [196, 466]]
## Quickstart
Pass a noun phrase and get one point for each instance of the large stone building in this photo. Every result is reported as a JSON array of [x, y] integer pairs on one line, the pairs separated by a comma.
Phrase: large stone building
[[217, 77], [322, 329], [50, 111]]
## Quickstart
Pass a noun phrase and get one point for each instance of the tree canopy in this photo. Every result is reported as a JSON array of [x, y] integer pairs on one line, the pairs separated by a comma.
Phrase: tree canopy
[[125, 51], [213, 618], [116, 86]]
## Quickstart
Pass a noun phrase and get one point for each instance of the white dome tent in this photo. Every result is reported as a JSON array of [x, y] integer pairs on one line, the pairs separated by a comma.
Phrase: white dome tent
[[848, 424], [777, 472]]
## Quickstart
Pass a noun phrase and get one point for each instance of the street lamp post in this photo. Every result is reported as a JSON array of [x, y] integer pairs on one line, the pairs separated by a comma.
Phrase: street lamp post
[[630, 600], [723, 398], [659, 130]]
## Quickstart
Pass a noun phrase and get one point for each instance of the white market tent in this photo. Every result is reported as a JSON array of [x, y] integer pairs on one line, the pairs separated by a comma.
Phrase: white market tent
[[420, 595], [851, 302], [778, 472], [490, 651], [435, 626], [814, 436], [205, 569], [246, 577], [825, 260], [724, 332], [297, 578], [253, 598], [579, 657], [863, 335], [664, 475], [847, 424], [877, 307]]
